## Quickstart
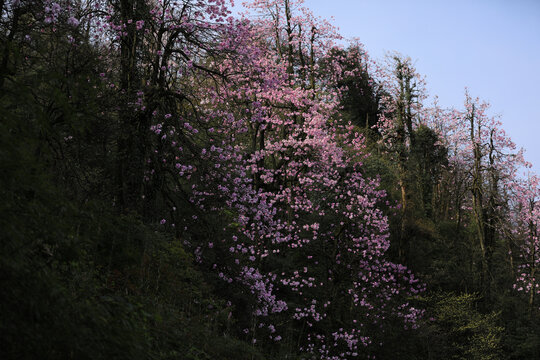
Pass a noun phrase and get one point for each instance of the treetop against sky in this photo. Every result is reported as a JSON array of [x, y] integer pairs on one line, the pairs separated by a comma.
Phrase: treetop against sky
[[491, 47]]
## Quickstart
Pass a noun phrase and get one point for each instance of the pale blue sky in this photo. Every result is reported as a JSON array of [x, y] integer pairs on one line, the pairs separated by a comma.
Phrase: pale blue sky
[[490, 46]]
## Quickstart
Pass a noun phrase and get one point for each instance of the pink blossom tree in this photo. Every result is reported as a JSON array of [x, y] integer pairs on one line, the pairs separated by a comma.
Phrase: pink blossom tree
[[294, 182]]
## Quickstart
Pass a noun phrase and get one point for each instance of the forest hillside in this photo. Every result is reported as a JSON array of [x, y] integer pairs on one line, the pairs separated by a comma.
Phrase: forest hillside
[[178, 182]]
